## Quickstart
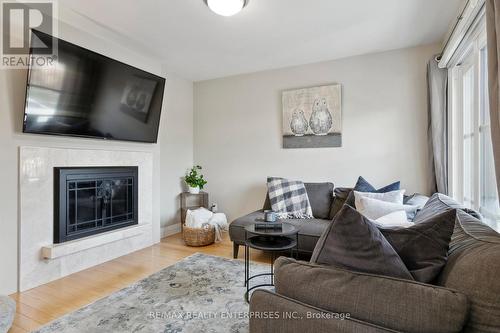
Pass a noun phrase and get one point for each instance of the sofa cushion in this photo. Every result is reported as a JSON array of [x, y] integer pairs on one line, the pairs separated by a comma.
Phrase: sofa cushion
[[312, 319], [354, 242], [423, 247], [402, 305], [473, 268], [309, 230], [320, 197]]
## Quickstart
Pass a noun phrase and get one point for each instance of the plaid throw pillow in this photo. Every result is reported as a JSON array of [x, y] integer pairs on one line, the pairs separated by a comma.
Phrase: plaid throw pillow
[[289, 198]]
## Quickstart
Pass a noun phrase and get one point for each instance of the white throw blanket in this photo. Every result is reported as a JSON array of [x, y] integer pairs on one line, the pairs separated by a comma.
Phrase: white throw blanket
[[198, 218]]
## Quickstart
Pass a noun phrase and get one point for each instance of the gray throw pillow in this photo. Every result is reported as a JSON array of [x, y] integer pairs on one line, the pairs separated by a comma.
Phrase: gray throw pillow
[[423, 247], [439, 203], [355, 243], [340, 196], [320, 197]]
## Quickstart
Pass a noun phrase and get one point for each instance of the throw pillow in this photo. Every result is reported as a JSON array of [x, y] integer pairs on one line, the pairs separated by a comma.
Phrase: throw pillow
[[374, 209], [362, 185], [320, 196], [416, 199], [423, 247], [340, 196], [438, 203], [354, 242], [392, 196], [289, 198], [396, 219]]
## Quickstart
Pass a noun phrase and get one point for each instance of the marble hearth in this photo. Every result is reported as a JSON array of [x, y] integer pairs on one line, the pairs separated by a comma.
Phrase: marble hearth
[[41, 260]]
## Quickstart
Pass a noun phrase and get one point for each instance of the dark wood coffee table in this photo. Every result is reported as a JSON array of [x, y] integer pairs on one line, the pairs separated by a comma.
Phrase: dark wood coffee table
[[269, 240]]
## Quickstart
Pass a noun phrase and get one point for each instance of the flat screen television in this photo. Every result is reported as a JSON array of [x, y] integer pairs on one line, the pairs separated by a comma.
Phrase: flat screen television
[[87, 94]]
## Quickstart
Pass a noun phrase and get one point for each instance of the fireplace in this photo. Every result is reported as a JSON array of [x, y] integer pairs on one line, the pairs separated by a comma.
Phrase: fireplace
[[92, 200]]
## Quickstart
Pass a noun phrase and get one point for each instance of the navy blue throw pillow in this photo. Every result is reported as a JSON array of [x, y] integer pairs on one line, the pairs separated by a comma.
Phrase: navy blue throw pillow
[[362, 185]]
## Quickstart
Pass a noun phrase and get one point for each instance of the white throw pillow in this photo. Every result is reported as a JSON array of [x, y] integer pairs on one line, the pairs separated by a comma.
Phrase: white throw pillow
[[374, 209], [394, 219], [392, 196]]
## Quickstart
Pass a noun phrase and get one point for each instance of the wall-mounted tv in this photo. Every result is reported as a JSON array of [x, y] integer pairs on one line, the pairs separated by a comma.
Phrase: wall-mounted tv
[[87, 94]]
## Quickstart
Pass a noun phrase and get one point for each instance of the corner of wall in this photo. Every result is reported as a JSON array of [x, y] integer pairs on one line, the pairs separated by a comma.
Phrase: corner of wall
[[176, 149]]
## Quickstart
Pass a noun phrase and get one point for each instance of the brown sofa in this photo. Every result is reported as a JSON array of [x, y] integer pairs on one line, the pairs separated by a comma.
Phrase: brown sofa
[[465, 298]]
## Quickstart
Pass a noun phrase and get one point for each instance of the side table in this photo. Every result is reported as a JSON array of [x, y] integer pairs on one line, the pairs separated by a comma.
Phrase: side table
[[269, 240]]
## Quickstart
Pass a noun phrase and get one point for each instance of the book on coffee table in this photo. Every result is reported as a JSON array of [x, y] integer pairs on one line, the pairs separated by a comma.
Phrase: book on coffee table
[[269, 225]]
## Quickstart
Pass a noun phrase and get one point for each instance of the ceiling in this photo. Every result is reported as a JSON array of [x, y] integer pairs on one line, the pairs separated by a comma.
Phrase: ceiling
[[197, 44]]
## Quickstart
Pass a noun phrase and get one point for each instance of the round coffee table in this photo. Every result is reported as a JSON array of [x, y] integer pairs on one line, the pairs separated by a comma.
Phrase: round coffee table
[[269, 240]]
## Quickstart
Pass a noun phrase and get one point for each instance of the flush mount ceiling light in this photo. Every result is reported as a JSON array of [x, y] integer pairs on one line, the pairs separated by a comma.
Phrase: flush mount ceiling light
[[226, 7]]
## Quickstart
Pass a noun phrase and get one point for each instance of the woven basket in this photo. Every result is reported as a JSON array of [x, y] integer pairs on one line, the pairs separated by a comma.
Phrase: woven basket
[[198, 236]]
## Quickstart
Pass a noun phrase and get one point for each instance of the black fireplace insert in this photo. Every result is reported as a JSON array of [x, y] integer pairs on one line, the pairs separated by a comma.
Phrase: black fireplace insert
[[92, 200]]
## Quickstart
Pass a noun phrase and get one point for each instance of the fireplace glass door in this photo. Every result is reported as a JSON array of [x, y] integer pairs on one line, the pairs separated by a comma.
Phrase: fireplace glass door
[[94, 200]]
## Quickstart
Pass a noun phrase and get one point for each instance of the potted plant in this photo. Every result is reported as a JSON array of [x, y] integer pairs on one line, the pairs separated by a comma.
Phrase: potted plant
[[195, 180]]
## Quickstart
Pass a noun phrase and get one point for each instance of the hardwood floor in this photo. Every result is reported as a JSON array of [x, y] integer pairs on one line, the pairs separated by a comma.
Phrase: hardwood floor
[[40, 305]]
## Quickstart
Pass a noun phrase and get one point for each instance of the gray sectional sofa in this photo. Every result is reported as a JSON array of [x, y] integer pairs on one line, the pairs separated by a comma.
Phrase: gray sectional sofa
[[464, 298], [321, 198]]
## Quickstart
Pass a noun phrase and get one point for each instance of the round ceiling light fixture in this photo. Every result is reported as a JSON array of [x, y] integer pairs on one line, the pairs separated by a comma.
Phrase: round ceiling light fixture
[[226, 7]]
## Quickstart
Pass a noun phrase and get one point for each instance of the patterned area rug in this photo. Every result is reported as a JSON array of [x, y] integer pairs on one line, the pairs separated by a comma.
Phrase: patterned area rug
[[201, 293]]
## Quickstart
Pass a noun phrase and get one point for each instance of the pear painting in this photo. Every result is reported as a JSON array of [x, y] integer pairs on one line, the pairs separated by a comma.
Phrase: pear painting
[[312, 117], [299, 124], [321, 118]]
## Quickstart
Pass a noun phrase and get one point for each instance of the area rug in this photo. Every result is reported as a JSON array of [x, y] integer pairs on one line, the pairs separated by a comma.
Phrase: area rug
[[201, 293]]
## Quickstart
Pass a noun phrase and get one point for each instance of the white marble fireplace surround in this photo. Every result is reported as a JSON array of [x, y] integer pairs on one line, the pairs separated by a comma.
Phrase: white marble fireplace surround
[[36, 214]]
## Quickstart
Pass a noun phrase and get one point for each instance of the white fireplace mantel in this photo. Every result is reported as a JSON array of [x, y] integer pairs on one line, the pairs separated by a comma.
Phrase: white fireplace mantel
[[54, 251], [41, 260]]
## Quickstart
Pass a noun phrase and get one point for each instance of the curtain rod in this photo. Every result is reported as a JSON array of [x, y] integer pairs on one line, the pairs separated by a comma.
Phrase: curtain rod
[[457, 21], [467, 21]]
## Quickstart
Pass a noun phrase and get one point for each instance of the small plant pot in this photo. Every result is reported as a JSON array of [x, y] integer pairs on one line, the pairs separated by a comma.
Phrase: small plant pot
[[193, 190]]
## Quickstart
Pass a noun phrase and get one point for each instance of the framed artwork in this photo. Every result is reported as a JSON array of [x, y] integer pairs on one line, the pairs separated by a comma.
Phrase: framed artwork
[[312, 117]]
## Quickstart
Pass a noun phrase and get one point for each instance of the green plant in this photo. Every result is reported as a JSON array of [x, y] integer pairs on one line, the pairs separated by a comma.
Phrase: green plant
[[194, 178]]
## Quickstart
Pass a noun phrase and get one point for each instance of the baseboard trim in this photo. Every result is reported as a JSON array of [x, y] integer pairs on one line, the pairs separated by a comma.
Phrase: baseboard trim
[[170, 230]]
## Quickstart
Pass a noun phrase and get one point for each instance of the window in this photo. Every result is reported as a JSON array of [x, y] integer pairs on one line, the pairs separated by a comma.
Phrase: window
[[472, 174]]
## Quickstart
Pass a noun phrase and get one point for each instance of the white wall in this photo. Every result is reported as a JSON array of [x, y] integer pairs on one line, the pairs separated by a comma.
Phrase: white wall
[[238, 123], [170, 156], [176, 140]]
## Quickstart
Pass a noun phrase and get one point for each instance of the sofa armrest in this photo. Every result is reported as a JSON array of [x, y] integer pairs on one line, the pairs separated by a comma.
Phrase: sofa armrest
[[273, 313], [399, 304], [237, 227]]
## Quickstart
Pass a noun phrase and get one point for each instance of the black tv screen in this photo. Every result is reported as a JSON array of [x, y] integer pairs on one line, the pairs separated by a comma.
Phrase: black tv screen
[[87, 94]]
